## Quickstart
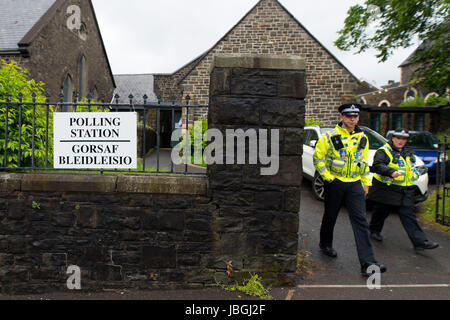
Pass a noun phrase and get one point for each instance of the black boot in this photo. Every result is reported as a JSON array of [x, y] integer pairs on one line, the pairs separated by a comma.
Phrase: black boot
[[329, 251], [376, 236], [427, 245], [366, 265]]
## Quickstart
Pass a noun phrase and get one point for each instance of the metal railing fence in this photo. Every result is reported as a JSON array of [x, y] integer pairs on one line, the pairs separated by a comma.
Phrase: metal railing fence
[[442, 215], [26, 132]]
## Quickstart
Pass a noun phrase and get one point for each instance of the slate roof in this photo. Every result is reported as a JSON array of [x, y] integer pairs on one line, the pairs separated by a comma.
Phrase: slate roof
[[17, 17], [136, 84]]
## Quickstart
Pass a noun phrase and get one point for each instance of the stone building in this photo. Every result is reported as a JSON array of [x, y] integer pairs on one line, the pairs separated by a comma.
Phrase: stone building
[[268, 29], [36, 34]]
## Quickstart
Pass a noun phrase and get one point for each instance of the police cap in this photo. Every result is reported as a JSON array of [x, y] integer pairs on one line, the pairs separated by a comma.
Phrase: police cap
[[401, 133], [351, 109]]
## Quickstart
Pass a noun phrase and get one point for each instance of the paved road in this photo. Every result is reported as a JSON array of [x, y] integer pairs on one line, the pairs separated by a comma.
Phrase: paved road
[[410, 275]]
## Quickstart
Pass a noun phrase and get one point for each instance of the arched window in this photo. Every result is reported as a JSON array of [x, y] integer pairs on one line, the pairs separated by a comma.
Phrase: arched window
[[94, 93], [68, 88], [384, 103], [82, 77], [67, 91], [410, 94], [431, 94]]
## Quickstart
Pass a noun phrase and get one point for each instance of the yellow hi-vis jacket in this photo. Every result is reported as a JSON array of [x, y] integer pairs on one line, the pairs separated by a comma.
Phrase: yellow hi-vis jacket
[[348, 164], [404, 165]]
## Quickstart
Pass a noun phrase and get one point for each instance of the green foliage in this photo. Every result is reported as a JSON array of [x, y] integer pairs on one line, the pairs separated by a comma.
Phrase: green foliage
[[419, 101], [36, 205], [427, 211], [386, 25], [201, 143], [251, 287], [313, 121], [437, 101], [14, 80]]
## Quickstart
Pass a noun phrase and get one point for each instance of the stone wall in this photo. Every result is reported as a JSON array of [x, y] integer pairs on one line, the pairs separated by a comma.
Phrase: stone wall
[[164, 231], [257, 215], [122, 231]]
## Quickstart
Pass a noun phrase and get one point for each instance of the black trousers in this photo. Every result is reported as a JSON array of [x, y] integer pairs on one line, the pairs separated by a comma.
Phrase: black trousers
[[407, 217], [351, 194]]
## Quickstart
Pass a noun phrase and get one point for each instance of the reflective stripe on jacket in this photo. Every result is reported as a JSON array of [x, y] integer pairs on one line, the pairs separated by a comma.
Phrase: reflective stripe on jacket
[[348, 164], [404, 165]]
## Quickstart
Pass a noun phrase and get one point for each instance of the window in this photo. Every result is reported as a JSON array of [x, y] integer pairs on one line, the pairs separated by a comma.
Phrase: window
[[67, 92], [67, 89], [384, 103], [376, 140], [310, 135], [419, 122], [375, 121], [410, 94], [82, 70], [397, 121]]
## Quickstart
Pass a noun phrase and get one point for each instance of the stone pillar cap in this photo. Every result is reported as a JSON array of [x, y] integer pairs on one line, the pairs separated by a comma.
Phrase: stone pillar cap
[[258, 62]]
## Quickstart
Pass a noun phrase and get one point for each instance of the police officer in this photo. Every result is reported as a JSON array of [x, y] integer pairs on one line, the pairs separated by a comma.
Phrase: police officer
[[394, 174], [341, 158]]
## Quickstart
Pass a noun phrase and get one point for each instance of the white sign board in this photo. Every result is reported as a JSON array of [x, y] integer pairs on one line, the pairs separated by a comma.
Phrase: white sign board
[[95, 140]]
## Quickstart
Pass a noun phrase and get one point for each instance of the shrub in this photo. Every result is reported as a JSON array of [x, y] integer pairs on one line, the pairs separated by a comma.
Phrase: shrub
[[15, 82], [312, 122]]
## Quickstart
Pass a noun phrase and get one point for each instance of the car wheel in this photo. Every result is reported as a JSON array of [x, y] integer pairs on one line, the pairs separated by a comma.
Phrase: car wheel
[[318, 187]]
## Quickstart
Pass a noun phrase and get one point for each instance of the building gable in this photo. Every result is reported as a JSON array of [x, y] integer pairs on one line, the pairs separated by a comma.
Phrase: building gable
[[269, 29], [53, 52]]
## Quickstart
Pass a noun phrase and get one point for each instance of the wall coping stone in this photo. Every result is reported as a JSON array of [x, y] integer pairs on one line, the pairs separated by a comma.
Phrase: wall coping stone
[[258, 62], [106, 183]]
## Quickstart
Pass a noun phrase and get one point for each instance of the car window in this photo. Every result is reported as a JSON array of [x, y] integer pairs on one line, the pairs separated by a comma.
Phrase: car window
[[422, 141], [376, 140], [314, 135], [306, 138], [310, 135]]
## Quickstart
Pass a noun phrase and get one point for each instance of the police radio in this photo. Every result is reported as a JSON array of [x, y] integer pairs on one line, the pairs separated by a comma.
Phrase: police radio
[[337, 142], [396, 157], [363, 143]]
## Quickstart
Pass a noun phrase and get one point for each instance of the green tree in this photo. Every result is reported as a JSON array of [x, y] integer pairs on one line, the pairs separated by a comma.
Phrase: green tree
[[386, 25], [16, 86]]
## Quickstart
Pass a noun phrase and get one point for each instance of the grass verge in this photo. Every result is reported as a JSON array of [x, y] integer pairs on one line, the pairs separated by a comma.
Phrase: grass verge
[[426, 211]]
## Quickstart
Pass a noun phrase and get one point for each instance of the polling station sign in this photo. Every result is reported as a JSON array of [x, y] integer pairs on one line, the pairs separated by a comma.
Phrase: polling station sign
[[97, 140]]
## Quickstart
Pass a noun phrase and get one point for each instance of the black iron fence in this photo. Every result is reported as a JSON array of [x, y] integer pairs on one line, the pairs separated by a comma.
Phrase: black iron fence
[[443, 190], [26, 132]]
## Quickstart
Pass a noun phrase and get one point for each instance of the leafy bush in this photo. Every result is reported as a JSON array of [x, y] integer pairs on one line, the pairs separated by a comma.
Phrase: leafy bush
[[418, 101], [437, 101], [15, 81], [312, 122], [196, 144]]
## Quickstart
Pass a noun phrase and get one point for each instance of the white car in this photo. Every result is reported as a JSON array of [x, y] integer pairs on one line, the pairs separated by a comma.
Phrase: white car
[[311, 136]]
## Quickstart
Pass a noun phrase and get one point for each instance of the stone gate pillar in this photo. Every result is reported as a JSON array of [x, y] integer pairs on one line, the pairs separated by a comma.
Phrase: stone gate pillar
[[256, 217]]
